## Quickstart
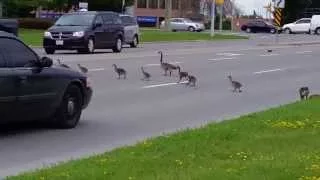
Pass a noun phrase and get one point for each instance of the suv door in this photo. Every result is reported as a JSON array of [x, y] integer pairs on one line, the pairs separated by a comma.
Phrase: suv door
[[8, 90], [37, 90], [99, 32], [129, 28]]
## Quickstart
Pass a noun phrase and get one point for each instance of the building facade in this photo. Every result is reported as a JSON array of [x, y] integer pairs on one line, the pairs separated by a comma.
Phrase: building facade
[[151, 12]]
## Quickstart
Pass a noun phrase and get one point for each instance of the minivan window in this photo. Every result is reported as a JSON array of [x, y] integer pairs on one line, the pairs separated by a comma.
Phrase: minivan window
[[75, 20]]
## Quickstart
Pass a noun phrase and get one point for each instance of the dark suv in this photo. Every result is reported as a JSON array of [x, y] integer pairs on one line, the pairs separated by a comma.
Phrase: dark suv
[[85, 32], [32, 88]]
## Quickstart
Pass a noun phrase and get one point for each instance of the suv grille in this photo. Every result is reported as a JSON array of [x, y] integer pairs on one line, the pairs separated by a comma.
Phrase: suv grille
[[61, 35]]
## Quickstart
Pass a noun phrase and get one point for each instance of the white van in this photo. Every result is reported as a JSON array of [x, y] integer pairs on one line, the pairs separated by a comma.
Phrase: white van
[[315, 24]]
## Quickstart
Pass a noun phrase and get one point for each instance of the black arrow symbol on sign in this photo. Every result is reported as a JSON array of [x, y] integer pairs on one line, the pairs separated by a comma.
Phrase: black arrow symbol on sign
[[280, 1]]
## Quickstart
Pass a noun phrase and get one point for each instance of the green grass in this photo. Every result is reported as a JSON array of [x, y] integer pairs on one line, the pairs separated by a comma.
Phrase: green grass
[[34, 37], [278, 144]]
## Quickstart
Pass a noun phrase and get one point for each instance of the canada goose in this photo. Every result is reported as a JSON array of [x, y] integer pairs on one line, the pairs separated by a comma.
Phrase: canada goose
[[62, 65], [120, 71], [235, 84], [166, 66], [304, 93], [182, 74], [146, 76], [82, 68], [191, 80]]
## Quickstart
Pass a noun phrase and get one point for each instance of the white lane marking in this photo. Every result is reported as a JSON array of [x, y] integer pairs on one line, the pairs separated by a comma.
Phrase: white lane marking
[[159, 64], [229, 54], [267, 55], [303, 52], [96, 69], [221, 59], [161, 85], [270, 70]]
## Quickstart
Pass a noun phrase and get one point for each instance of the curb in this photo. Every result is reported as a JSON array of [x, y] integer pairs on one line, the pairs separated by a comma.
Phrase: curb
[[291, 44]]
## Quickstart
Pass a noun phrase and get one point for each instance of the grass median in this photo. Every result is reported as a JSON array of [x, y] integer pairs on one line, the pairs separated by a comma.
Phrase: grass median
[[280, 143], [34, 37]]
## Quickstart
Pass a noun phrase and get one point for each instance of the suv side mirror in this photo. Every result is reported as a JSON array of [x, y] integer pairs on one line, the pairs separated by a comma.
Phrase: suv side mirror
[[97, 25], [45, 62]]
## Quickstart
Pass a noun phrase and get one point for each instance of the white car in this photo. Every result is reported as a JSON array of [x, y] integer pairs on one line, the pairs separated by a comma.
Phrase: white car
[[183, 24], [315, 24], [300, 26]]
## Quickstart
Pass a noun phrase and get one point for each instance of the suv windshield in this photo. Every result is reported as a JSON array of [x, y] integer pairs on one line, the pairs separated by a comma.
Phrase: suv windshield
[[75, 20]]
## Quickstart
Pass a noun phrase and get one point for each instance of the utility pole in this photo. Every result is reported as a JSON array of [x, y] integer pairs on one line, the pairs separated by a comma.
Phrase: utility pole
[[213, 15], [168, 13], [221, 17], [1, 9]]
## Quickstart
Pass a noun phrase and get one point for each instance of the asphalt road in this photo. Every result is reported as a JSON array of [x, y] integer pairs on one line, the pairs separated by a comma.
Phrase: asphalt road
[[124, 111]]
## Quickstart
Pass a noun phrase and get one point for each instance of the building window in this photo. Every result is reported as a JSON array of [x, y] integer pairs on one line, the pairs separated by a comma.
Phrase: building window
[[142, 4], [162, 4], [153, 4], [175, 4]]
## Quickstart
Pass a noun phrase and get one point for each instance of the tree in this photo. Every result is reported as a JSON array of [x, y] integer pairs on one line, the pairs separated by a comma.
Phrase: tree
[[293, 9]]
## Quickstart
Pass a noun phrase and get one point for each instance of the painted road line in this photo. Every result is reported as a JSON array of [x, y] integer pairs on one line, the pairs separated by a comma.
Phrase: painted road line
[[270, 70], [161, 85], [149, 65], [303, 52], [267, 55], [96, 69], [221, 59], [229, 54]]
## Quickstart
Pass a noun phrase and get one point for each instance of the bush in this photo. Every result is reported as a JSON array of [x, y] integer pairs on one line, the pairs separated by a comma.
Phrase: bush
[[35, 23]]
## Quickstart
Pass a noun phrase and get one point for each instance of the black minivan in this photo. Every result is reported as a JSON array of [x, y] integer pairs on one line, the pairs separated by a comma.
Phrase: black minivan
[[85, 32]]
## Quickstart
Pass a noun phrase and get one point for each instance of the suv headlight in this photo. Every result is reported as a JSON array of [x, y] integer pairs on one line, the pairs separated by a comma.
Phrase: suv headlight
[[47, 34], [78, 34]]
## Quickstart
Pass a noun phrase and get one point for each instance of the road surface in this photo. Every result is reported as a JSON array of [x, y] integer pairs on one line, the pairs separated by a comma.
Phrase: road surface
[[124, 111]]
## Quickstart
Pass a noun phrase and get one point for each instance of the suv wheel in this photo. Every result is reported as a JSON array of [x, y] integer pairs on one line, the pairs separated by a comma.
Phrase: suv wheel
[[191, 29], [135, 42], [49, 50], [318, 31], [273, 31], [70, 109], [118, 45], [248, 30], [287, 31]]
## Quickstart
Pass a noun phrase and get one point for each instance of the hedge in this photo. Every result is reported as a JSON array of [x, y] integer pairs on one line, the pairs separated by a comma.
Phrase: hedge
[[35, 23]]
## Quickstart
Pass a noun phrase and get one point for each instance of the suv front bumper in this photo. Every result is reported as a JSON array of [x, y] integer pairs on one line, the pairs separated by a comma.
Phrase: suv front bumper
[[65, 44]]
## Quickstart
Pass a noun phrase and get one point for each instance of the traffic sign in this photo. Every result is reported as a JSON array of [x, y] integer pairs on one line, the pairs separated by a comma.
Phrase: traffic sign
[[280, 3], [278, 17], [219, 2]]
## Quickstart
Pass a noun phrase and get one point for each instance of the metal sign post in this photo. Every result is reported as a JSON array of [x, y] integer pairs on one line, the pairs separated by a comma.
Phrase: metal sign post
[[279, 5], [213, 15]]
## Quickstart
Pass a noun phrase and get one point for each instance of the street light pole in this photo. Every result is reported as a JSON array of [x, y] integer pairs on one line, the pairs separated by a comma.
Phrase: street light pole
[[213, 15], [168, 9]]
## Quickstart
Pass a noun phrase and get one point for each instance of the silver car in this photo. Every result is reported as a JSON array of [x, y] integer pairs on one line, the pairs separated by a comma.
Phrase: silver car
[[131, 30], [183, 24]]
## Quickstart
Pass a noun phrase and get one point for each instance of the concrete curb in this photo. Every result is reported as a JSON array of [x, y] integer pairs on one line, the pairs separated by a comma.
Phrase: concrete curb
[[291, 44], [167, 42]]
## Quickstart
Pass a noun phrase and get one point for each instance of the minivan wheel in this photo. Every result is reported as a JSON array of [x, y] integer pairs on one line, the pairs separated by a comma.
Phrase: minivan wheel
[[49, 50], [191, 29], [135, 42], [317, 31], [69, 112], [89, 49], [118, 45]]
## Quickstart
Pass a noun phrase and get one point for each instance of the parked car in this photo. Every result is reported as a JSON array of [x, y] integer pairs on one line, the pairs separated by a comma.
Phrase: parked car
[[315, 24], [255, 26], [32, 88], [299, 26], [131, 30], [9, 26], [85, 32], [183, 24]]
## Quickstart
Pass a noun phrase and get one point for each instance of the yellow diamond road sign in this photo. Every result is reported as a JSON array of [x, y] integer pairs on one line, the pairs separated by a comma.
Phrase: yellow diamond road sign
[[219, 2]]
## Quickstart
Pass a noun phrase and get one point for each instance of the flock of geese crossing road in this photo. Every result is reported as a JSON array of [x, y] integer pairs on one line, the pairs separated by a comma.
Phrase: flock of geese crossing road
[[304, 92]]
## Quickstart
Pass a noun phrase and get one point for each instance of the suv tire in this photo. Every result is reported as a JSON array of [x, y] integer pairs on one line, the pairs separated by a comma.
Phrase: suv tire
[[69, 111], [90, 47], [118, 45], [49, 50], [135, 42], [317, 31]]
